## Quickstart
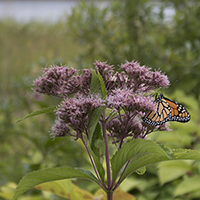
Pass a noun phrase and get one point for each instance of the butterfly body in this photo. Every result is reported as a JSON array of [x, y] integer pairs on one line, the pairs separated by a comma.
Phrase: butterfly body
[[166, 110]]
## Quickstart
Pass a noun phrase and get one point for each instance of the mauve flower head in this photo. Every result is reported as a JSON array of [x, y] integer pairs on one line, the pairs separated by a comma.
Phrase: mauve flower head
[[130, 108], [122, 127], [63, 81], [60, 129], [129, 102], [159, 80], [128, 99], [75, 111], [142, 79]]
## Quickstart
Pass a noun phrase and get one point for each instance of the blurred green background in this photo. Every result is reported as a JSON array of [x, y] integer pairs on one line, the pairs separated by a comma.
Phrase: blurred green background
[[122, 30]]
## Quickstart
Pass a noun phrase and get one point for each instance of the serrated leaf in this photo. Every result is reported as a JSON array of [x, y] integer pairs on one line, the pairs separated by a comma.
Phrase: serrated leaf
[[142, 160], [39, 112], [174, 154], [143, 152], [51, 174], [188, 185], [185, 154]]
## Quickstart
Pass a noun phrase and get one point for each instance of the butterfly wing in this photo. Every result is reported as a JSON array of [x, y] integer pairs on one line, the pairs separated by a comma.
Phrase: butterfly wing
[[166, 110], [178, 112], [161, 114]]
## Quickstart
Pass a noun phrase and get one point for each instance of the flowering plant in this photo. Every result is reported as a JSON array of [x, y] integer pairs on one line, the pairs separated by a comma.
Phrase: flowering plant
[[101, 108]]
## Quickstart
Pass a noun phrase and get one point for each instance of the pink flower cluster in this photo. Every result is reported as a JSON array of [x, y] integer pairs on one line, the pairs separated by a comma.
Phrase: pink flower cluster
[[63, 81], [76, 111], [126, 103], [142, 79], [127, 100]]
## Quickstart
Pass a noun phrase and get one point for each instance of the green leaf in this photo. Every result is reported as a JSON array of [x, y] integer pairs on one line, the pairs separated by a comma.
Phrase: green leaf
[[103, 88], [185, 154], [146, 152], [98, 150], [188, 185], [97, 84], [95, 87], [94, 121], [39, 112], [98, 143], [37, 177], [65, 188], [99, 166], [174, 154], [141, 170], [141, 161], [143, 152]]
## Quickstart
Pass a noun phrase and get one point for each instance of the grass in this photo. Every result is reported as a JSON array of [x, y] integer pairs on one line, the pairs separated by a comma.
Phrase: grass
[[25, 48]]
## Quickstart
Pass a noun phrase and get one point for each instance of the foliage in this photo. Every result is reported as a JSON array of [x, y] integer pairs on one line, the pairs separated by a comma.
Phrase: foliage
[[169, 43], [146, 154]]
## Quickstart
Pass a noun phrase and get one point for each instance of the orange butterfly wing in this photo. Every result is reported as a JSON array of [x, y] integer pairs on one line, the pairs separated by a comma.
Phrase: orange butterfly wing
[[178, 112], [166, 110]]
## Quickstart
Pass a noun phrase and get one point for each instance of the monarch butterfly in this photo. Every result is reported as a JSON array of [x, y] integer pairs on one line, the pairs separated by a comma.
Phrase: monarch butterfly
[[166, 110]]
